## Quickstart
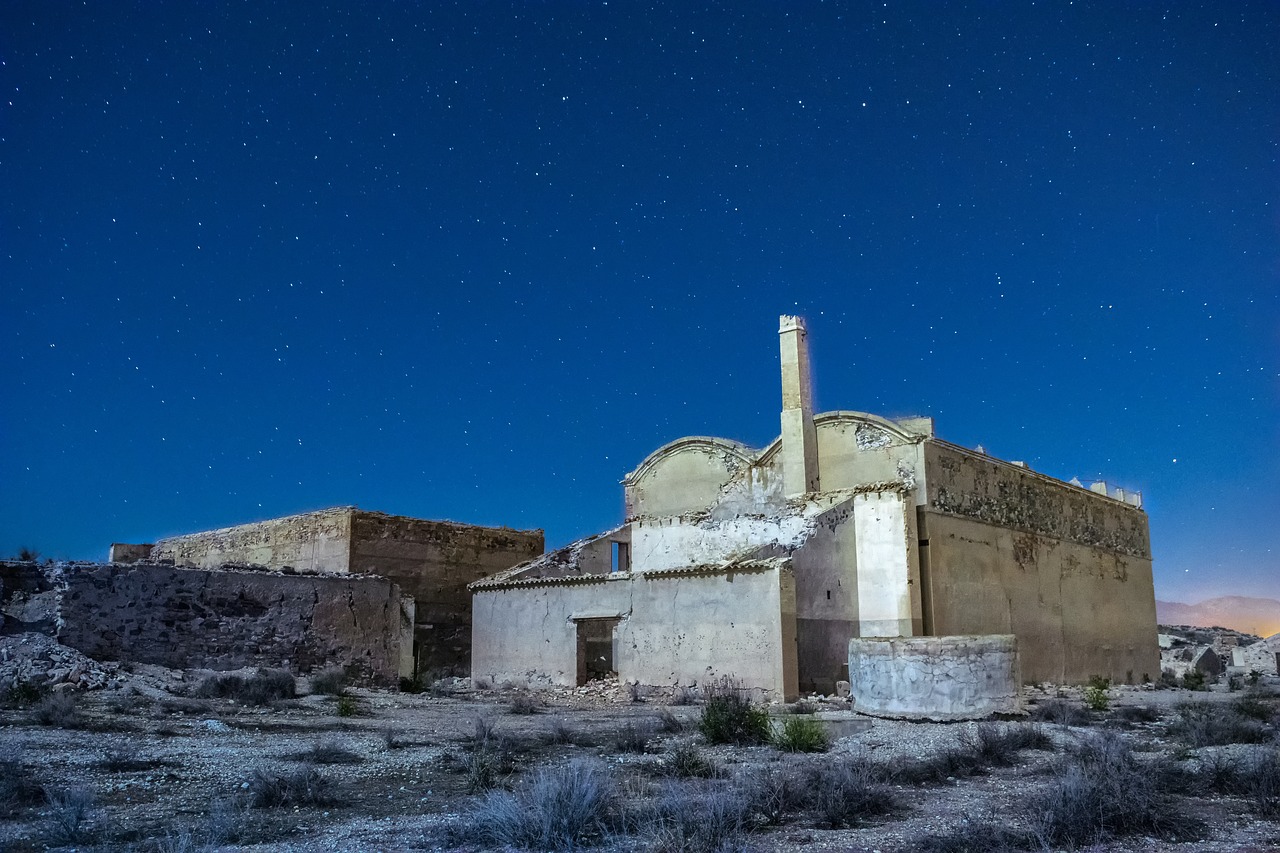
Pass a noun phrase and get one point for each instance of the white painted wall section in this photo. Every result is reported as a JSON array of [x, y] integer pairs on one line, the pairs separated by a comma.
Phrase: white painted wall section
[[888, 563]]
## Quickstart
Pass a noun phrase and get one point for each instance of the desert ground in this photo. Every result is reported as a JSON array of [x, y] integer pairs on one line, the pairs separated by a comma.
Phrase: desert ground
[[161, 760]]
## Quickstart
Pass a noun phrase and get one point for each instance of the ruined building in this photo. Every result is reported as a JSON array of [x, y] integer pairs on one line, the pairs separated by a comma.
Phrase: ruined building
[[764, 564], [430, 561]]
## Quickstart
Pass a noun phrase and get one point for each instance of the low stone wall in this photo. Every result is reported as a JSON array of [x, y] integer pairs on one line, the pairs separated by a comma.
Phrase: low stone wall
[[196, 618], [936, 678]]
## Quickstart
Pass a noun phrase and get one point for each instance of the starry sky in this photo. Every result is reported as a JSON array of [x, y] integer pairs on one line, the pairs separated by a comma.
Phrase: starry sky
[[476, 260]]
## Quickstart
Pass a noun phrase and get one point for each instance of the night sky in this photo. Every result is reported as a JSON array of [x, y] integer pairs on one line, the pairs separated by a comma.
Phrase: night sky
[[476, 260]]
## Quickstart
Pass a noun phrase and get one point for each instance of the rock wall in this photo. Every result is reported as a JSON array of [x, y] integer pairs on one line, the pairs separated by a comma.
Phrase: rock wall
[[311, 542], [189, 618], [935, 678]]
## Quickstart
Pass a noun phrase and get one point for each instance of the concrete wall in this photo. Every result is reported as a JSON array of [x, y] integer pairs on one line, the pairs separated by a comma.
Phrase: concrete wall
[[311, 542], [935, 678], [433, 561], [189, 618], [1081, 603], [673, 628]]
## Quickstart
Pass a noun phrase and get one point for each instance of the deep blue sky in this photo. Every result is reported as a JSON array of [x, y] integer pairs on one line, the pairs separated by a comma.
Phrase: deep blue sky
[[476, 260]]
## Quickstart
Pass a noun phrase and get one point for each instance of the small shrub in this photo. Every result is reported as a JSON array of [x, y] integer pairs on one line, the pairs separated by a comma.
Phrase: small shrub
[[1096, 698], [635, 691], [1259, 782], [998, 745], [225, 821], [1060, 712], [1129, 715], [393, 738], [483, 732], [57, 709], [1099, 683], [17, 790], [1194, 679], [686, 761], [773, 793], [1253, 678], [846, 793], [976, 838], [1101, 792], [804, 706], [22, 694], [729, 717], [685, 819], [523, 703], [937, 768], [329, 682], [1210, 724], [1251, 706], [801, 734], [69, 812], [684, 696], [633, 738], [305, 786], [561, 732], [482, 770], [669, 723], [347, 706], [262, 688], [559, 809], [120, 761], [328, 752]]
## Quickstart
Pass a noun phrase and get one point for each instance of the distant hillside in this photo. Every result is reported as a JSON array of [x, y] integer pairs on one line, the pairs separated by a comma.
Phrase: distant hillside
[[1259, 616]]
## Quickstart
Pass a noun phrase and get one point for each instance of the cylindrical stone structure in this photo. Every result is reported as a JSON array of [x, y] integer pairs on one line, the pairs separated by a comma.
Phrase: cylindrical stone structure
[[936, 678]]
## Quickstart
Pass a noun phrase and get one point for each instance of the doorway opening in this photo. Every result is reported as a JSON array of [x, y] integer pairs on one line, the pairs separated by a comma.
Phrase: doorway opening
[[595, 649]]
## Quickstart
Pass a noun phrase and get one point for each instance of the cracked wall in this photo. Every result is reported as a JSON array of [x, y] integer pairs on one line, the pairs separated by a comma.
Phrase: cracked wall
[[936, 678], [199, 618]]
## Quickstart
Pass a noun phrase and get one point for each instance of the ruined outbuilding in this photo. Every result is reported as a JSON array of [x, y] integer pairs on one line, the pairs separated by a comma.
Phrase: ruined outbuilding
[[430, 561], [763, 563]]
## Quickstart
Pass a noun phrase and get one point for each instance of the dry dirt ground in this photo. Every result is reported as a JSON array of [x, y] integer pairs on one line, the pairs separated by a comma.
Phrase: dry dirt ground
[[151, 767]]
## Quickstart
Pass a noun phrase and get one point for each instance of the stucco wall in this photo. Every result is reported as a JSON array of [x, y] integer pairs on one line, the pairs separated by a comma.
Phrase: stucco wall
[[936, 678], [970, 485], [854, 452], [677, 628], [1078, 611], [187, 618], [684, 476], [311, 542]]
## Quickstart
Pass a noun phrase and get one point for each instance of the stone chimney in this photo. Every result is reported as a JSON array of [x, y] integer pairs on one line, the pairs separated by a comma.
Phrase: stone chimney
[[799, 441]]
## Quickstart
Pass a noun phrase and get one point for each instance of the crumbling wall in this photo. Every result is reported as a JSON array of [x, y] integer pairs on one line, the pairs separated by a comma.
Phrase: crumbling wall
[[188, 618], [856, 449], [687, 626], [28, 598], [684, 476], [311, 542], [970, 485], [433, 561], [935, 678]]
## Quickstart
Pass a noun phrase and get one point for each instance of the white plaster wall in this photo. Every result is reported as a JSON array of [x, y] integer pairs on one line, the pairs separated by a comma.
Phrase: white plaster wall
[[687, 481], [684, 629], [888, 565], [527, 633], [694, 629], [936, 678], [673, 543]]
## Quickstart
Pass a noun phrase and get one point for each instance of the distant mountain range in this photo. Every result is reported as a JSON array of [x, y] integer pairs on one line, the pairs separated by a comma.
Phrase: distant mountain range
[[1260, 616]]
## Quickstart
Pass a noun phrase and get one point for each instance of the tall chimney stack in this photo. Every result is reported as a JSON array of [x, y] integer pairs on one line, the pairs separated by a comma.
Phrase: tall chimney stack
[[799, 441]]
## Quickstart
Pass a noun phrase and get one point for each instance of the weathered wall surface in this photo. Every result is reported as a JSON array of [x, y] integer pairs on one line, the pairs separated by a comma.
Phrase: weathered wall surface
[[188, 618], [1078, 611], [888, 564], [311, 542], [673, 628], [28, 598], [856, 449], [1066, 570], [935, 678], [969, 485], [683, 476], [826, 571], [433, 561]]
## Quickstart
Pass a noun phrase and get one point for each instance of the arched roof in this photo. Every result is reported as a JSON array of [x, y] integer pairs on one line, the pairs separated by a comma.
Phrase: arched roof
[[842, 416], [710, 444]]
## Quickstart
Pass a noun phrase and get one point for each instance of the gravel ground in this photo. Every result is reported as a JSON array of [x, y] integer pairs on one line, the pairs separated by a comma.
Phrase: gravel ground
[[158, 762]]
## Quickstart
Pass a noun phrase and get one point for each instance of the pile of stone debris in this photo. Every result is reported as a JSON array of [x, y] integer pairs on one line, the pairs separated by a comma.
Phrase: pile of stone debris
[[43, 662]]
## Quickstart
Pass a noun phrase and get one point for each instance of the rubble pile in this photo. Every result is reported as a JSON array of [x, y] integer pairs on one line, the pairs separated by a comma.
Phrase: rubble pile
[[41, 661]]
